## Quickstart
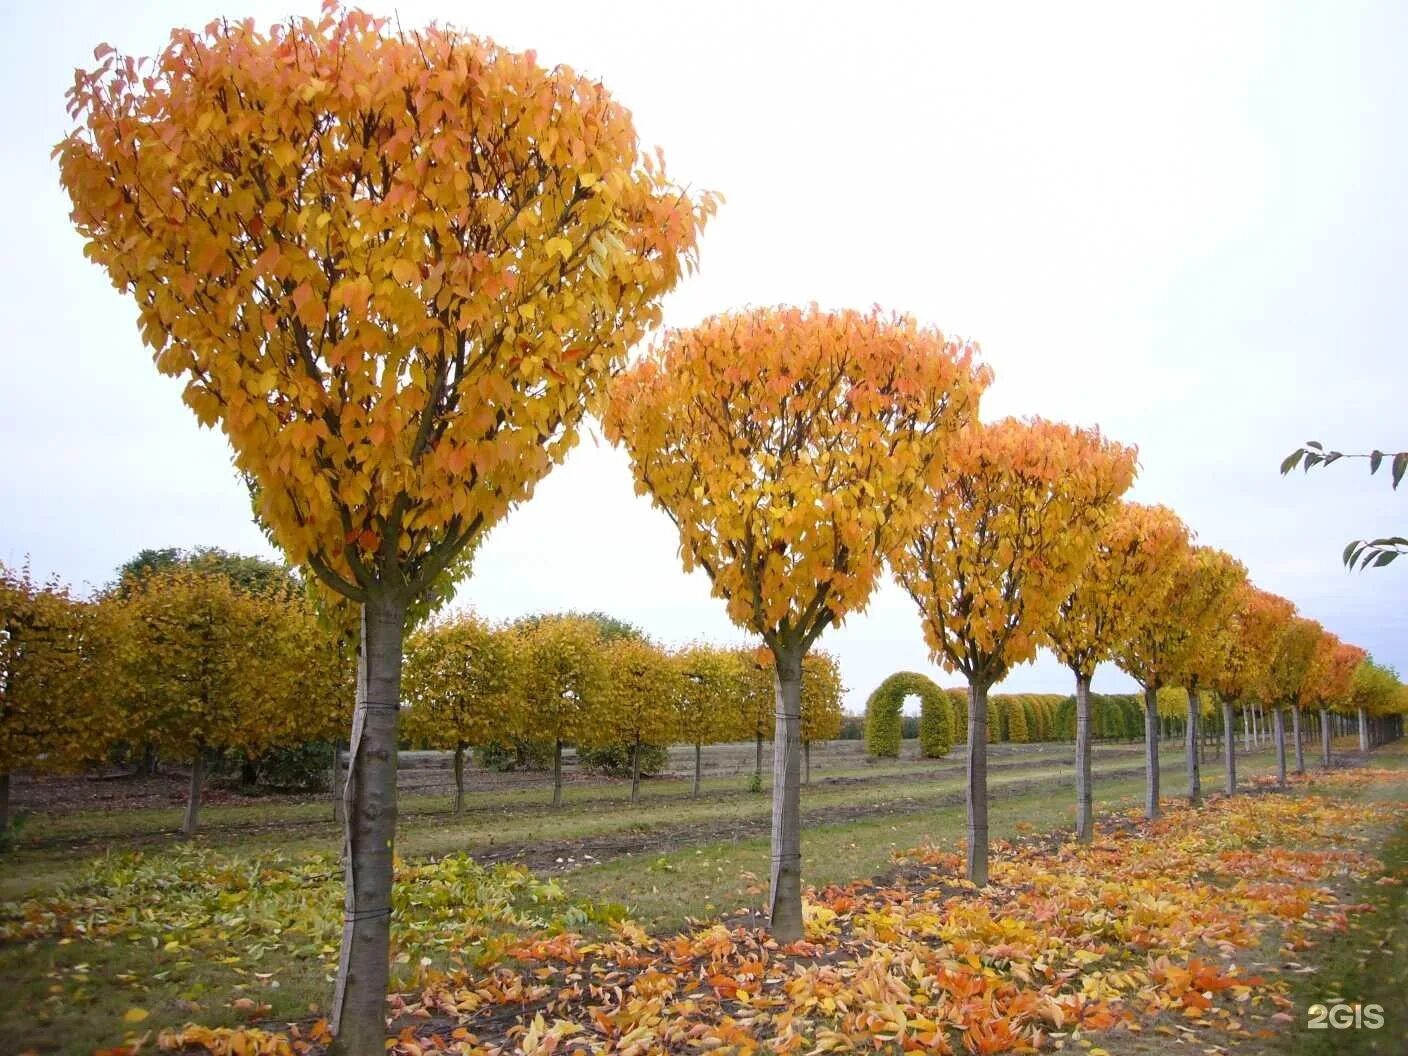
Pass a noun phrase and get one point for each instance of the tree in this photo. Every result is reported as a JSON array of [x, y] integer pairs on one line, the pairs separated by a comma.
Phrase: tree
[[397, 307], [460, 681], [245, 571], [565, 684], [1258, 619], [1205, 595], [200, 668], [1330, 684], [1175, 620], [1006, 529], [51, 718], [1373, 689], [1289, 678], [709, 678], [643, 688], [820, 705], [786, 444]]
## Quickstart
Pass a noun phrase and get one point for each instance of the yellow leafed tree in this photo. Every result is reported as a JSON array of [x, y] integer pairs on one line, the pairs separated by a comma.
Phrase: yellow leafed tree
[[461, 683], [786, 445], [1004, 531], [1103, 612], [394, 267]]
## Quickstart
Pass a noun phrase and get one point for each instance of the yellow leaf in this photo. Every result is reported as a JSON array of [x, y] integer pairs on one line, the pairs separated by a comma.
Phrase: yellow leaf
[[135, 1015]]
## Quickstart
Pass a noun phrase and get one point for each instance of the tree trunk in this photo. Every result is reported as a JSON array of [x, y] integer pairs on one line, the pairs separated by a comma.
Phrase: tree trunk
[[1295, 735], [459, 777], [249, 772], [698, 768], [557, 773], [1229, 747], [1085, 797], [1246, 727], [1151, 753], [1195, 715], [335, 781], [358, 1017], [806, 762], [4, 804], [635, 771], [785, 889], [758, 763], [1363, 731], [1280, 727], [1325, 738], [978, 782], [192, 820]]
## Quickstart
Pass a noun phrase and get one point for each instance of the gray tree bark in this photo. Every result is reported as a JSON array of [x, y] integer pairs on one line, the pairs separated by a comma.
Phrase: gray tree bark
[[785, 889], [806, 762], [192, 819], [358, 1017], [1195, 714], [557, 773], [1296, 737], [1279, 721], [1363, 731], [978, 782], [1151, 753], [1325, 738], [698, 768], [635, 771], [1085, 797], [1229, 747], [459, 777]]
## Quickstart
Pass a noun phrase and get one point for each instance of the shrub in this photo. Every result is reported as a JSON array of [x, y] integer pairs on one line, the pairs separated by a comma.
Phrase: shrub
[[614, 760]]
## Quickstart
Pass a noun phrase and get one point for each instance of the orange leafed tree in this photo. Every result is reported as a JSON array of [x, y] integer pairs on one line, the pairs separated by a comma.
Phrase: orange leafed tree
[[787, 445], [1103, 612], [394, 268], [1205, 594], [1289, 679], [1005, 529], [1258, 620], [1329, 684]]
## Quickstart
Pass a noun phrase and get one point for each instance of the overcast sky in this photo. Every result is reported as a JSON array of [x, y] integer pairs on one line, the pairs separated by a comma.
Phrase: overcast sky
[[1188, 227]]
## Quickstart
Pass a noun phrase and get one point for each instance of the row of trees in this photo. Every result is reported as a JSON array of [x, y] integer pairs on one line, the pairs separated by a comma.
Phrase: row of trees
[[399, 309], [184, 659], [574, 679]]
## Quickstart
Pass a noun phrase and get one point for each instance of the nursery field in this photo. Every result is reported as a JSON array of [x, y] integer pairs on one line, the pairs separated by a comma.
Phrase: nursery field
[[550, 930]]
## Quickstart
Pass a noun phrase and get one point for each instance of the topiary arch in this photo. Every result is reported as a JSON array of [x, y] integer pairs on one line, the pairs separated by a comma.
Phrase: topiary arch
[[882, 715]]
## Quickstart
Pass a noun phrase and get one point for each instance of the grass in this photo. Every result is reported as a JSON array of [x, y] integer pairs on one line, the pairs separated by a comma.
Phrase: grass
[[71, 996]]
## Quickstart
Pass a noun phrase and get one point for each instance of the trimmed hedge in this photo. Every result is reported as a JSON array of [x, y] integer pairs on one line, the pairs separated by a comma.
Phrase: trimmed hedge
[[883, 725]]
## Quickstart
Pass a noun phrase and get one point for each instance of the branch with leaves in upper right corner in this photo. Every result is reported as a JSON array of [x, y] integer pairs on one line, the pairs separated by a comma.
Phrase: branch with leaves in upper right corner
[[1361, 553]]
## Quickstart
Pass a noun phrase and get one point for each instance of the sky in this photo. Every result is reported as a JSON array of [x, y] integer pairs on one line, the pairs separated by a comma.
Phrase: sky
[[1187, 226]]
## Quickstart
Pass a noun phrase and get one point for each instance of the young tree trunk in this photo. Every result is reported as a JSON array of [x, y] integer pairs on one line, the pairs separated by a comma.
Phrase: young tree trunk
[[1325, 738], [806, 762], [358, 1017], [1229, 747], [1151, 753], [758, 763], [978, 782], [1280, 733], [785, 889], [1195, 714], [459, 777], [335, 782], [1085, 796], [1295, 736], [1246, 728], [557, 773], [249, 772], [698, 768], [635, 771], [1363, 731], [4, 804], [192, 820]]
